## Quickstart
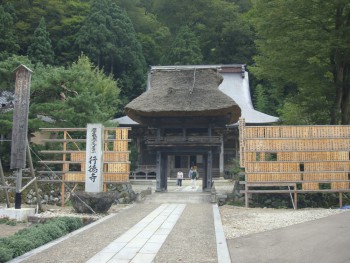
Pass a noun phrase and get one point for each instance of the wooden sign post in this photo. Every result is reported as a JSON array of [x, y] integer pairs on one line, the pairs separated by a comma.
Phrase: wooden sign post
[[20, 126]]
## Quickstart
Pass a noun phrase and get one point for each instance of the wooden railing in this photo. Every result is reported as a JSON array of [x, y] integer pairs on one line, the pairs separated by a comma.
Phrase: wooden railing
[[146, 172], [183, 140]]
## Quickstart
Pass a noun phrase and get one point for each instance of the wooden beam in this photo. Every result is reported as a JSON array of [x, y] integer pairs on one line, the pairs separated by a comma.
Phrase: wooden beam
[[5, 189], [31, 167]]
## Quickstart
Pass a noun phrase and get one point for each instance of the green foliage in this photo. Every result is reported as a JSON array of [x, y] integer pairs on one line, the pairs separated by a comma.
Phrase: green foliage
[[185, 49], [234, 168], [7, 67], [223, 35], [70, 97], [40, 49], [5, 253], [35, 236], [8, 38], [11, 223], [153, 35], [109, 39], [5, 150], [63, 18], [261, 100], [299, 43], [133, 156], [236, 203], [301, 61], [305, 200], [7, 221]]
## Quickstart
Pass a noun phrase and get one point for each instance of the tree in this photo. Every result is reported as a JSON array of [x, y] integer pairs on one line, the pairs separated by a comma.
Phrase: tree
[[40, 50], [153, 35], [185, 49], [305, 44], [74, 96], [224, 36], [8, 39], [63, 97], [63, 20], [108, 37], [261, 101]]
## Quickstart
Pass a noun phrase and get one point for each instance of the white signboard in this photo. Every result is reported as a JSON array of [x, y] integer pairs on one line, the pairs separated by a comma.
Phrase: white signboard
[[94, 158]]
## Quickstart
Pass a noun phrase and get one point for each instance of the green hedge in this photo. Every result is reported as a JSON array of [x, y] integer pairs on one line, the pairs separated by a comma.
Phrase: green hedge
[[35, 236]]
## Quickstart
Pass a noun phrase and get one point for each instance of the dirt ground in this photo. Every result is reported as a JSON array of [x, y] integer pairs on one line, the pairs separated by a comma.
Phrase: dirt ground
[[7, 230]]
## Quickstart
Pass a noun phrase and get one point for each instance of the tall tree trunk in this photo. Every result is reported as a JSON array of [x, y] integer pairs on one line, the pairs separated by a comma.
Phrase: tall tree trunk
[[345, 104], [339, 77], [338, 71], [112, 64]]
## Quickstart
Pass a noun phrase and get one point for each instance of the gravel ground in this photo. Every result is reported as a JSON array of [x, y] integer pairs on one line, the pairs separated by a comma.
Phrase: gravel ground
[[236, 221], [241, 221]]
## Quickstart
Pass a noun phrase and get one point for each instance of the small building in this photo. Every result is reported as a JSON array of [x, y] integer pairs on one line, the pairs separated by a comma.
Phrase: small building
[[188, 117], [6, 101]]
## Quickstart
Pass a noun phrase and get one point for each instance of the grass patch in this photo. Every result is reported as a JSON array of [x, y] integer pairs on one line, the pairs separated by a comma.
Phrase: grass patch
[[7, 221], [36, 235]]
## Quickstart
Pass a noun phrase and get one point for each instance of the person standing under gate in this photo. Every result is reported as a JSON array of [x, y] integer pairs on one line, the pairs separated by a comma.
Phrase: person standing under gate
[[190, 173], [179, 177], [194, 176]]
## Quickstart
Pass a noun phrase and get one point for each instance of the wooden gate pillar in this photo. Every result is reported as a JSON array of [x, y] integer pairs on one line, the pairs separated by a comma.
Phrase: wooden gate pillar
[[209, 177], [161, 170]]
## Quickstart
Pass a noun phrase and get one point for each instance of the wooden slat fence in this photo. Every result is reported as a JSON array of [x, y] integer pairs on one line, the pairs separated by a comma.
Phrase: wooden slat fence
[[71, 154], [300, 156]]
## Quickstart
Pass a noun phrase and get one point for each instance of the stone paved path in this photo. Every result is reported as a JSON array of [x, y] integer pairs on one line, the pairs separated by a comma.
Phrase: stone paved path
[[157, 230]]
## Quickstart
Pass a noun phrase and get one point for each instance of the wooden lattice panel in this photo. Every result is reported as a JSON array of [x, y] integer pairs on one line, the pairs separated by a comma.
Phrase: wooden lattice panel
[[119, 167], [310, 186], [340, 185], [271, 167], [261, 177], [120, 146], [321, 131], [301, 149], [296, 132], [323, 144], [327, 166], [116, 157], [74, 177], [312, 177], [312, 156], [315, 157], [117, 177], [78, 157]]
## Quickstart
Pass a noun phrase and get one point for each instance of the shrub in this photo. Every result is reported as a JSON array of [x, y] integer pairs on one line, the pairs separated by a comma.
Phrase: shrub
[[8, 221], [35, 236], [5, 254]]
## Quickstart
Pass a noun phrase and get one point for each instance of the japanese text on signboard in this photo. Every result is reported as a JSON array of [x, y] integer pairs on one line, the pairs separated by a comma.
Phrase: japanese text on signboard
[[93, 170]]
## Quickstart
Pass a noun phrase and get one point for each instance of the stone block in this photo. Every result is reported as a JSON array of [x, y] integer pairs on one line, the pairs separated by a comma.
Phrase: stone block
[[85, 202], [17, 214]]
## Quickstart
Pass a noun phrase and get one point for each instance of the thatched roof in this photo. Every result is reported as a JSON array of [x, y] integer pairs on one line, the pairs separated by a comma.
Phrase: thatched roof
[[179, 93]]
